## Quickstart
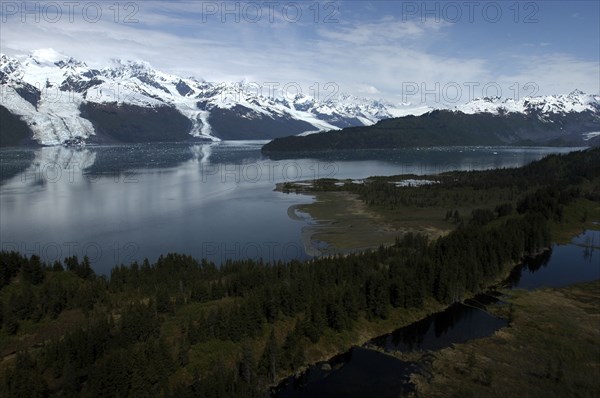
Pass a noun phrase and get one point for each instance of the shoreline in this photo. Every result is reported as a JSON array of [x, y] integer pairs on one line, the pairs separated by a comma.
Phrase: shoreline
[[430, 309], [496, 285], [345, 224]]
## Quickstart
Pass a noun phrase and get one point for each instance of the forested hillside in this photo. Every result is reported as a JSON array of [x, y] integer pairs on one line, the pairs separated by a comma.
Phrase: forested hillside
[[446, 128]]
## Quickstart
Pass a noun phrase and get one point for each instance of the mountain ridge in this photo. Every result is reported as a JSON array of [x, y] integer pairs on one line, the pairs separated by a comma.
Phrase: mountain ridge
[[63, 100], [454, 128], [49, 98]]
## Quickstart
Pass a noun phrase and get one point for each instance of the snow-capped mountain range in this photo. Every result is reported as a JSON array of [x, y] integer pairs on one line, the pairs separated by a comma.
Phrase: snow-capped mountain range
[[61, 99], [575, 102], [52, 99]]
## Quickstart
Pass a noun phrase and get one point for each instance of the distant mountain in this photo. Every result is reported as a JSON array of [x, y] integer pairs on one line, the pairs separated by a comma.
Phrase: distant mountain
[[569, 120], [50, 99]]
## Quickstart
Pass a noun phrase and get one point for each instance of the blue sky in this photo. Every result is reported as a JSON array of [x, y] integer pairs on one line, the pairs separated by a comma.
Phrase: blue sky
[[378, 49]]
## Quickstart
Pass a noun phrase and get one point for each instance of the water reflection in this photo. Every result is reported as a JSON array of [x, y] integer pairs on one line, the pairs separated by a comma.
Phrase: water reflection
[[561, 266], [122, 204], [119, 204], [358, 373], [365, 371], [530, 264], [46, 165], [457, 324], [111, 161], [14, 162], [435, 160], [590, 243]]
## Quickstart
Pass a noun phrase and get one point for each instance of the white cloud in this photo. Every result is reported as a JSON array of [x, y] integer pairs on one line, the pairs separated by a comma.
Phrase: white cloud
[[387, 30], [366, 89], [555, 73], [372, 58]]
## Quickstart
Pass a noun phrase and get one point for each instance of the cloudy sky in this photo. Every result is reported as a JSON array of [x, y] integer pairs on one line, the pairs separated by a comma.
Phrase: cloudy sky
[[396, 50]]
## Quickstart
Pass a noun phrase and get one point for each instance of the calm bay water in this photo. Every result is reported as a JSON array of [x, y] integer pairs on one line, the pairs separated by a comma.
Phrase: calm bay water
[[565, 265], [117, 204]]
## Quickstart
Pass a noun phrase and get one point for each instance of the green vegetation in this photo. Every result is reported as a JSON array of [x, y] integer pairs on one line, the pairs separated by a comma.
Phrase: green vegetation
[[441, 128], [347, 224], [354, 215], [551, 349], [182, 327]]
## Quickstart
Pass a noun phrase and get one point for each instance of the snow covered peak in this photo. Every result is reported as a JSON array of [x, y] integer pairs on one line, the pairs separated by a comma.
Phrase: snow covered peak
[[47, 56], [70, 63], [576, 93], [132, 65], [10, 69], [576, 101], [120, 68], [60, 86]]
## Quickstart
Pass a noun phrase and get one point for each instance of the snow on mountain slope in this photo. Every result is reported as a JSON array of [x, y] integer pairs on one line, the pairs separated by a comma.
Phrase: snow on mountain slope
[[58, 85], [404, 109], [54, 118], [58, 97], [576, 101]]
